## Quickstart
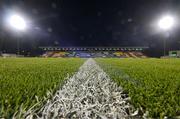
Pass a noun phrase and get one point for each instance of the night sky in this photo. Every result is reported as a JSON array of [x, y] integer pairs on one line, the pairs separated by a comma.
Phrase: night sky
[[90, 23]]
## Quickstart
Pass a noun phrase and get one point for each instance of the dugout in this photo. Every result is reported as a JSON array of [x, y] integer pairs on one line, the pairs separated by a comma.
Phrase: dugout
[[175, 53]]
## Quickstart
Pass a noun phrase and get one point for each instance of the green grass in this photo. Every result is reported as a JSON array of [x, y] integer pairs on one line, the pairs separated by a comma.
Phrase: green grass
[[22, 80], [153, 84]]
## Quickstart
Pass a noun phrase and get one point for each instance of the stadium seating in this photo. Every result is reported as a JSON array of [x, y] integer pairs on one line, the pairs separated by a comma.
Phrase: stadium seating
[[118, 54]]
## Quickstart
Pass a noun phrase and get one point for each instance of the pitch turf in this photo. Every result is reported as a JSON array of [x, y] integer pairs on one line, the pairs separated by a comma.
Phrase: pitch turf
[[152, 84], [26, 81]]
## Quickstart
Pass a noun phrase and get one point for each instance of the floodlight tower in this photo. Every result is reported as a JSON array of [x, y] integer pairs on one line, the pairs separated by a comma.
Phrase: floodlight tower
[[166, 23], [18, 23]]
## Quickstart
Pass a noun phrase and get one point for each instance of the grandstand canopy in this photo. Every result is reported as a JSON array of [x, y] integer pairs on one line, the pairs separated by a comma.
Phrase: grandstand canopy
[[93, 48]]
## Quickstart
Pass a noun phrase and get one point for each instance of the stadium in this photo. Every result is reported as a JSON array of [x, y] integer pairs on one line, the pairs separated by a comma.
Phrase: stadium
[[89, 59], [94, 52]]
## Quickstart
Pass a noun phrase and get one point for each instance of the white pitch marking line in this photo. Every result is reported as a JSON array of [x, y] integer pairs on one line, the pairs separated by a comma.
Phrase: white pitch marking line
[[88, 94]]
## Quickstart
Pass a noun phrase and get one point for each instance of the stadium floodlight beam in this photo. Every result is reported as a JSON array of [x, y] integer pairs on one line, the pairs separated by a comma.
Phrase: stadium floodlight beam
[[166, 23], [17, 22]]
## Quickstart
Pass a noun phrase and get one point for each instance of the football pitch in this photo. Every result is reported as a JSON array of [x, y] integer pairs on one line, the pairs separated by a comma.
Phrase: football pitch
[[152, 86]]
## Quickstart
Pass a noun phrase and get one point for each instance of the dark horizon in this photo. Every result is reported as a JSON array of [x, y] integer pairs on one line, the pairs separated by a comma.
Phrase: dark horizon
[[90, 23]]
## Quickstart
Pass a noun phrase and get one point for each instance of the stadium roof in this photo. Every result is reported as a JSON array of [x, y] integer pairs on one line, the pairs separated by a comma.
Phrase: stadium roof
[[93, 48]]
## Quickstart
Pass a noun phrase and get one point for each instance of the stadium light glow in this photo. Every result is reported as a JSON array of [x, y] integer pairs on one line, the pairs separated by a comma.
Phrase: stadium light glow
[[166, 22], [17, 22]]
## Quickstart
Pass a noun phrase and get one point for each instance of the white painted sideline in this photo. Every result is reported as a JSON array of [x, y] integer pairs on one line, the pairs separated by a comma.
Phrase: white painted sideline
[[88, 94]]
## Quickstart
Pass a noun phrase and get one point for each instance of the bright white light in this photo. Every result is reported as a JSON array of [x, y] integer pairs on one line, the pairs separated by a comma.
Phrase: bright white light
[[166, 23], [17, 22]]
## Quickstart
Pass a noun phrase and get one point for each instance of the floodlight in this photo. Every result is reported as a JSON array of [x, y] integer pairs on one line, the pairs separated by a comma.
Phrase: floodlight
[[166, 23], [17, 22]]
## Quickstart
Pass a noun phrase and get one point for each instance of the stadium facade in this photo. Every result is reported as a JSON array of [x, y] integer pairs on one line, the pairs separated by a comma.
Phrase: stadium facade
[[86, 52]]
